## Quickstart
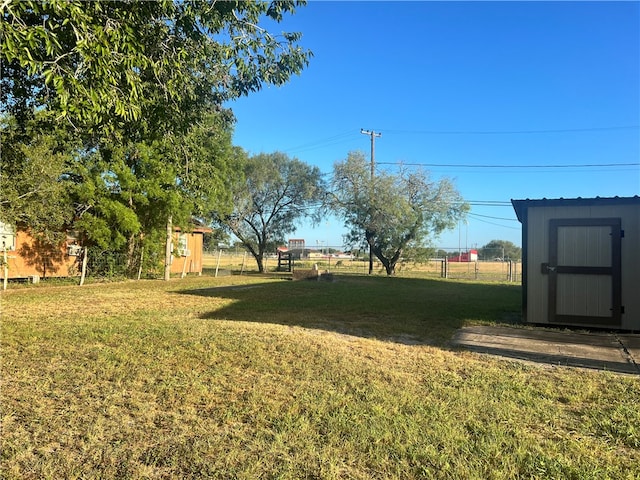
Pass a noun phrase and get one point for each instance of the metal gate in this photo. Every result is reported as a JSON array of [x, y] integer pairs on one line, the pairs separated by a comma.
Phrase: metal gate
[[585, 272]]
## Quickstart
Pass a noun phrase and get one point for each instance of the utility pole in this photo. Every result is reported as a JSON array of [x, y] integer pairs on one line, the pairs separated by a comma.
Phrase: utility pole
[[373, 136]]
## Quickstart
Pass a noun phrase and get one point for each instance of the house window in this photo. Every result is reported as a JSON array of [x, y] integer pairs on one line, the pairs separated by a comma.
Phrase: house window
[[183, 250], [7, 237]]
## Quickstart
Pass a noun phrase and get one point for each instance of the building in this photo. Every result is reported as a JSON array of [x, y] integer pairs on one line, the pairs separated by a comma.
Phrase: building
[[581, 261], [470, 256], [296, 247], [28, 257], [188, 250]]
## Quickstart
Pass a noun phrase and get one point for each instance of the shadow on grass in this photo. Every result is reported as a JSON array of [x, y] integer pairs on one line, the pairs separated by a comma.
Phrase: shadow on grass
[[412, 311]]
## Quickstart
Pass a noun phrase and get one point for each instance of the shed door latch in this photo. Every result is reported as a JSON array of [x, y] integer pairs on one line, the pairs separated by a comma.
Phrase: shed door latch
[[547, 269]]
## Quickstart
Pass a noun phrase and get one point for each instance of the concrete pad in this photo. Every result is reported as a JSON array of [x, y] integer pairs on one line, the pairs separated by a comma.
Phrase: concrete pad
[[604, 351], [632, 345]]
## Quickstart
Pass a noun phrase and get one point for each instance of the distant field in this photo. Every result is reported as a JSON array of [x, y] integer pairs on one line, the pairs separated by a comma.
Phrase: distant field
[[490, 271], [252, 376]]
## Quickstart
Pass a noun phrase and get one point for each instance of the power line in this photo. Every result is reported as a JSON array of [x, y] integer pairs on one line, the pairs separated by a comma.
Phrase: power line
[[449, 165], [488, 203], [511, 132], [497, 224], [494, 218]]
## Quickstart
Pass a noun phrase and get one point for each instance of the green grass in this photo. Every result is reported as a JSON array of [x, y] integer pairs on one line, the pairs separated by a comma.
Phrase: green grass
[[274, 379]]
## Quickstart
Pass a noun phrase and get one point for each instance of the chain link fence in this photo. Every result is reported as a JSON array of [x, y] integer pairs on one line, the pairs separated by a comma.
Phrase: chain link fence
[[231, 262]]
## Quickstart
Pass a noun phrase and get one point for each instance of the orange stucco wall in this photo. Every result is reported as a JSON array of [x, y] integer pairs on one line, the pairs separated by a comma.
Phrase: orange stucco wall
[[192, 261], [31, 257]]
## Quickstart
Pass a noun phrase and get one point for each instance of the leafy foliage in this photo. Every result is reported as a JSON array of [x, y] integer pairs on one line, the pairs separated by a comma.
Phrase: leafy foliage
[[109, 65], [502, 249], [34, 182], [275, 192], [114, 110], [127, 192], [392, 212]]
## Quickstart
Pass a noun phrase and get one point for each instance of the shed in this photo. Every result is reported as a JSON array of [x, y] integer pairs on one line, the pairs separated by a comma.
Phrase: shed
[[187, 250], [581, 261]]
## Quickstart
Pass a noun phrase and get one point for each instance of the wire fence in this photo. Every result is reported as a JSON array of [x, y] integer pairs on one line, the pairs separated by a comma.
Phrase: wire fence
[[224, 262], [101, 265]]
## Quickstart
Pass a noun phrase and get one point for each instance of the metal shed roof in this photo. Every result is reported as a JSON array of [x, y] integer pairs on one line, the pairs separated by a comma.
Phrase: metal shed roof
[[520, 206]]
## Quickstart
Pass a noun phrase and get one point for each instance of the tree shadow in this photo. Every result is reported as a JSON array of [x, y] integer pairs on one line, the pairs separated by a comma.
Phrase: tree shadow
[[47, 259], [403, 310]]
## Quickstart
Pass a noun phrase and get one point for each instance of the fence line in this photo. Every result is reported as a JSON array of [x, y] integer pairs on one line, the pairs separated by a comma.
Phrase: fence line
[[107, 265], [508, 271]]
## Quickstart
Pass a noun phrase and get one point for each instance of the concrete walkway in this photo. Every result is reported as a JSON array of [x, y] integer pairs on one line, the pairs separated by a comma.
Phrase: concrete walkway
[[604, 351]]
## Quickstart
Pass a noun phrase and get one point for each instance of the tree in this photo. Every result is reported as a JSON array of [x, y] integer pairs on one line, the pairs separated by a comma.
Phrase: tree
[[125, 193], [275, 192], [502, 249], [32, 175], [392, 212], [134, 83], [106, 66]]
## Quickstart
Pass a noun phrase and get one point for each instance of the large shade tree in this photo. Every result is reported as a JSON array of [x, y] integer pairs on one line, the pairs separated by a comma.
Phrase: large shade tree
[[140, 67], [124, 193], [131, 82], [274, 193], [391, 213]]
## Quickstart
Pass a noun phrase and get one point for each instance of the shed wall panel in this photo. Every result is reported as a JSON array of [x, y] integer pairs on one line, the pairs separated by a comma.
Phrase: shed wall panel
[[538, 253]]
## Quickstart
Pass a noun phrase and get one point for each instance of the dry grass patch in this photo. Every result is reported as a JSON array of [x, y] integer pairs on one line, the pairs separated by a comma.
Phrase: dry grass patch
[[264, 382]]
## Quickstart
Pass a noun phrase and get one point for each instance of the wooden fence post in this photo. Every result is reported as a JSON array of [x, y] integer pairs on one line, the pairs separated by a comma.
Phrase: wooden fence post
[[141, 260], [5, 267], [83, 273], [218, 264]]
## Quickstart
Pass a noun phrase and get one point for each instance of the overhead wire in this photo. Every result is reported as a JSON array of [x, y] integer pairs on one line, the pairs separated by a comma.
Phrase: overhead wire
[[469, 165], [509, 132]]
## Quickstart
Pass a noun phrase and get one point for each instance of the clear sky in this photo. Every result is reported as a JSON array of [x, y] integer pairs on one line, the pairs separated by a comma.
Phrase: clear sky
[[508, 99]]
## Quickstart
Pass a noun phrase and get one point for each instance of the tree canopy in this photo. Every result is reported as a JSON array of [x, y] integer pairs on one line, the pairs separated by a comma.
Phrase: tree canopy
[[148, 66], [501, 249], [112, 112], [274, 193], [392, 212]]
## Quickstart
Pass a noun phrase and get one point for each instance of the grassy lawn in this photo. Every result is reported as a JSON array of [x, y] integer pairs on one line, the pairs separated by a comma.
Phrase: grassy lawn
[[249, 377]]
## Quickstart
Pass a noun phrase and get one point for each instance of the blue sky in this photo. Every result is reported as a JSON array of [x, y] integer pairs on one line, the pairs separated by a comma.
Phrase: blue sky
[[508, 99]]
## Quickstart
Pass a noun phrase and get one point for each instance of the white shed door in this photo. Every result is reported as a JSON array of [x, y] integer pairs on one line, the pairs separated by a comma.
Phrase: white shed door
[[585, 271]]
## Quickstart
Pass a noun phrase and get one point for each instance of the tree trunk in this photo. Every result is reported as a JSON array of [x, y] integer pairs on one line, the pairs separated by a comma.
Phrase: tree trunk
[[167, 249], [369, 238], [388, 263], [131, 248], [260, 261]]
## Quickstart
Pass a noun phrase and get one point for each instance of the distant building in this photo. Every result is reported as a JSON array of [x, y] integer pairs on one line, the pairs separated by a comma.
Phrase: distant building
[[470, 256], [296, 247]]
